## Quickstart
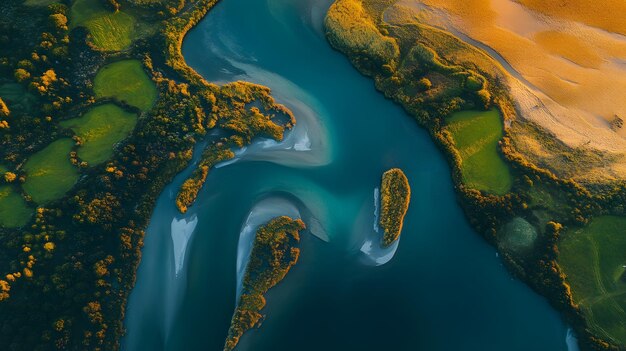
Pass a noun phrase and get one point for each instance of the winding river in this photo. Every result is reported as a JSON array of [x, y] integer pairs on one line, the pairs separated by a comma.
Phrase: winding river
[[443, 288]]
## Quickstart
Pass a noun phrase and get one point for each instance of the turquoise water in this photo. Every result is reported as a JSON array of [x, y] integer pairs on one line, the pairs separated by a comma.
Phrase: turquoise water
[[445, 289]]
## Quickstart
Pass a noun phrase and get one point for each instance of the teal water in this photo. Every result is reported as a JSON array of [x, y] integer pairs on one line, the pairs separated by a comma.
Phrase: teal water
[[444, 289]]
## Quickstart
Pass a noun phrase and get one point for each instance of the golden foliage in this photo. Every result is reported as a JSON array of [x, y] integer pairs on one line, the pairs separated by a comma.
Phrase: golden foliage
[[191, 187], [49, 246], [9, 177], [4, 109], [271, 258], [395, 195], [350, 26], [4, 290]]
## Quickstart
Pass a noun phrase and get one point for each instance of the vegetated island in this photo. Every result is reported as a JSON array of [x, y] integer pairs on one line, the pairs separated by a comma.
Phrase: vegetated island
[[395, 195], [535, 198], [273, 254], [98, 112]]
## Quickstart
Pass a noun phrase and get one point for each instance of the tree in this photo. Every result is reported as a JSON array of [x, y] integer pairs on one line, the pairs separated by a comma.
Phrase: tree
[[59, 21], [9, 177], [4, 109], [4, 290], [424, 84], [21, 74]]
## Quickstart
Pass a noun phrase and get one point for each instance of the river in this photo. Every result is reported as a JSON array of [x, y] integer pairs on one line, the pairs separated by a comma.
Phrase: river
[[443, 288]]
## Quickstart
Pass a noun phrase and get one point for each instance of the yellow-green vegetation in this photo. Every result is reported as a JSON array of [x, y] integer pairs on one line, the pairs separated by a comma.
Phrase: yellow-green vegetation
[[99, 130], [395, 195], [272, 256], [189, 190], [110, 31], [127, 82], [593, 259], [235, 103], [39, 2], [476, 135], [246, 109], [14, 212], [49, 172], [438, 74], [350, 26]]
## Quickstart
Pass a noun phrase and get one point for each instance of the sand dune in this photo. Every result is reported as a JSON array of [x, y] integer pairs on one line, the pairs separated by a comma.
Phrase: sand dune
[[570, 61]]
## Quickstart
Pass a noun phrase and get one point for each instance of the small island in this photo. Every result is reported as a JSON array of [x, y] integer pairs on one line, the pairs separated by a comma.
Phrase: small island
[[395, 197], [272, 256]]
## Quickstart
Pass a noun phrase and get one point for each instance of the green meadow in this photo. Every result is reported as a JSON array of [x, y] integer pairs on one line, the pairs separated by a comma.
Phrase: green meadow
[[126, 81], [593, 259], [49, 172], [110, 31], [14, 212], [476, 135], [39, 2], [100, 129]]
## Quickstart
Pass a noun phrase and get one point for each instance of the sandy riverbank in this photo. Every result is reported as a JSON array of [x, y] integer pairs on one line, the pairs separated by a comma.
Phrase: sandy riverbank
[[567, 72]]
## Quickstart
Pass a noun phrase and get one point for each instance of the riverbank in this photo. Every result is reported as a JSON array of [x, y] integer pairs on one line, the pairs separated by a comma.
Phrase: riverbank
[[330, 285], [113, 198], [397, 76]]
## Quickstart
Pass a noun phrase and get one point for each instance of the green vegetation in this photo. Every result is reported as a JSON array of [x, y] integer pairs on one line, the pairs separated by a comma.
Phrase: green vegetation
[[127, 82], [247, 122], [39, 2], [518, 236], [188, 192], [110, 31], [272, 256], [17, 97], [593, 259], [476, 135], [13, 209], [99, 130], [518, 202], [350, 26], [50, 174], [68, 271], [395, 195]]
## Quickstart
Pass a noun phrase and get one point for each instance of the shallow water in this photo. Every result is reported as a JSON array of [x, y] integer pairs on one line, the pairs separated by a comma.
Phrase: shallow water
[[444, 289]]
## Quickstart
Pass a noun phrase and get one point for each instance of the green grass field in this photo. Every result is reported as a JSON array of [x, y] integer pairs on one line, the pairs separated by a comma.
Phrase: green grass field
[[126, 81], [39, 2], [50, 174], [593, 259], [110, 31], [476, 135], [100, 129], [14, 212]]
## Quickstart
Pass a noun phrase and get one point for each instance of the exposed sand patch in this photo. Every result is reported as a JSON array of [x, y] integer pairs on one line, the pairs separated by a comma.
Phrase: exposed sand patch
[[605, 14], [567, 63]]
